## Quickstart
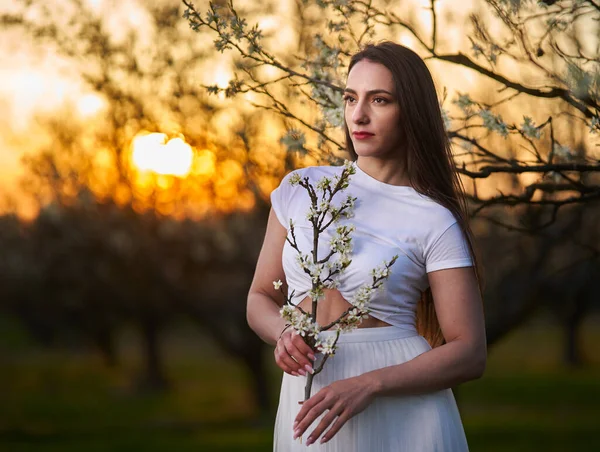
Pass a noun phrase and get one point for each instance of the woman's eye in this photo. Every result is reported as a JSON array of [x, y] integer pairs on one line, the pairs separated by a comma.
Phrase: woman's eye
[[348, 99], [380, 100]]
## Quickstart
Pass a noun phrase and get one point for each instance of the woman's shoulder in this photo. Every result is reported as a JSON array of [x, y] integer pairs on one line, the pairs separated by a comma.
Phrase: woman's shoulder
[[289, 183], [313, 173], [317, 171], [431, 213]]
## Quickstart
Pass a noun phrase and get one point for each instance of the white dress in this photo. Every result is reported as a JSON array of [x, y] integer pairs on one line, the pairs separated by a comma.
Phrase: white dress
[[389, 220], [419, 423]]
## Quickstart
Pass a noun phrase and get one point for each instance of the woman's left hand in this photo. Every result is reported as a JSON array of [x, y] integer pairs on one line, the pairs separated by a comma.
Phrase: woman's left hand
[[343, 399]]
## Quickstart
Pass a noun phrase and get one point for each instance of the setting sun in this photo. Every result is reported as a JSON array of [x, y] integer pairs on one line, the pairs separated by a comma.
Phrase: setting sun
[[89, 105], [152, 152]]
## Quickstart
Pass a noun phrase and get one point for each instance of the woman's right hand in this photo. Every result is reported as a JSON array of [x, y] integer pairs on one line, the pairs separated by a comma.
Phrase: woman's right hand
[[293, 355]]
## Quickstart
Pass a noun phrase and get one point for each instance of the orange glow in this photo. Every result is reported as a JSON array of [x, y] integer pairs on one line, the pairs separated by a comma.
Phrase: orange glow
[[221, 78], [89, 105], [152, 152], [174, 179], [204, 165]]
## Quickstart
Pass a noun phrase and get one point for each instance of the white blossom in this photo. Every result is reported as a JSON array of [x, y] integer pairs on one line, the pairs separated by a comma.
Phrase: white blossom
[[563, 152], [493, 122], [355, 315], [465, 103], [341, 242], [324, 184], [332, 283], [334, 115], [324, 205], [348, 206], [288, 312], [555, 176], [315, 271], [446, 119], [277, 284], [579, 80], [344, 327], [313, 329], [349, 166], [316, 293], [477, 49], [303, 260], [529, 128], [295, 179], [294, 140], [300, 321], [380, 272], [595, 125], [362, 296], [312, 213], [327, 346]]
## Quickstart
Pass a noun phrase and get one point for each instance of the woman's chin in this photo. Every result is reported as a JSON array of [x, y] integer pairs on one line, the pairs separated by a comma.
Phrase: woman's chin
[[368, 151]]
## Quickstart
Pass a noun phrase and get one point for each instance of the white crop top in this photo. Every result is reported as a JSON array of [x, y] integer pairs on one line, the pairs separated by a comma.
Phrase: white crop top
[[389, 220]]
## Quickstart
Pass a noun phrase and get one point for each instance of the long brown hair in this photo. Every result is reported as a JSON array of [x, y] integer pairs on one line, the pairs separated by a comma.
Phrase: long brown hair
[[427, 157]]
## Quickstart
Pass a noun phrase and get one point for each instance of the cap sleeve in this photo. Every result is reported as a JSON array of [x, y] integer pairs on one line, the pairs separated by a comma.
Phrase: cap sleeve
[[280, 198], [450, 249]]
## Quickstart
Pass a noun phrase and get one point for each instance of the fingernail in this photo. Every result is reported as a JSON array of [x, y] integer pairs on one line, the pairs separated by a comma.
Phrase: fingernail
[[309, 441], [309, 368], [312, 357], [302, 372], [295, 425], [295, 374], [323, 439]]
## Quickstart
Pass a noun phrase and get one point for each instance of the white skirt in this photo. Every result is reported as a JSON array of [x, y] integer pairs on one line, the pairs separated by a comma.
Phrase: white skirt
[[419, 423]]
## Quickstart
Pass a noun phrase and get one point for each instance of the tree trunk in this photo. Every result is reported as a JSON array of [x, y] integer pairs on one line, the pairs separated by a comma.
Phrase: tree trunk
[[253, 358], [244, 345], [106, 345], [153, 377], [572, 354]]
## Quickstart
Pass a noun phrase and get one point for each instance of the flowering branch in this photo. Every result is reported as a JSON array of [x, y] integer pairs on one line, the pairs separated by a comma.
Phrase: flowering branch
[[324, 272], [570, 77]]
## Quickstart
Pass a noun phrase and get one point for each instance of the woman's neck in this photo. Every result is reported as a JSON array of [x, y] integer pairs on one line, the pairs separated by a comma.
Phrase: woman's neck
[[386, 171]]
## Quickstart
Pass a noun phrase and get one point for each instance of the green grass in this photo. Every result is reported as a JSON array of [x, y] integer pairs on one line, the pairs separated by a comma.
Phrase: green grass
[[527, 400], [68, 401]]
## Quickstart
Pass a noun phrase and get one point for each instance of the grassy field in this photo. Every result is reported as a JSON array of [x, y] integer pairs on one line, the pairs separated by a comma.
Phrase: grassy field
[[67, 401]]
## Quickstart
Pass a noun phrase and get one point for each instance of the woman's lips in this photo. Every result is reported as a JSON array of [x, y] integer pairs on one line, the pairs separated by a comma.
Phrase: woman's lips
[[362, 135]]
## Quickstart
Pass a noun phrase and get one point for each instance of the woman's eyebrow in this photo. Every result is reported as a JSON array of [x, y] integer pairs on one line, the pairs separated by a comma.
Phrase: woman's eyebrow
[[371, 92]]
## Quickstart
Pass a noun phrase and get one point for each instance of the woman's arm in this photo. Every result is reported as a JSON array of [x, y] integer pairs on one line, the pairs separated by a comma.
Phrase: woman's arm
[[459, 310], [264, 301], [460, 313], [292, 354]]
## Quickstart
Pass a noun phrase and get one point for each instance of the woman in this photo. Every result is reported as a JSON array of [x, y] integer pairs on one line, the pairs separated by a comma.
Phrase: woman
[[387, 387]]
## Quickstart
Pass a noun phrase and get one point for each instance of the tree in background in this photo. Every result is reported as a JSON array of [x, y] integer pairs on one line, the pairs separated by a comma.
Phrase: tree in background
[[540, 59], [113, 246]]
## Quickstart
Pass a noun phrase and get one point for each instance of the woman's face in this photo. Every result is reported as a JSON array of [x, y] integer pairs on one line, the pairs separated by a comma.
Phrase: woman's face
[[371, 110]]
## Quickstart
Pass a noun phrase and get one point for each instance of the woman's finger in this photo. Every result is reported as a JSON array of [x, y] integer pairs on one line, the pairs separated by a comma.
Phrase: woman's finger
[[306, 406], [297, 355], [290, 360], [310, 411], [303, 347], [285, 363], [337, 425], [325, 423]]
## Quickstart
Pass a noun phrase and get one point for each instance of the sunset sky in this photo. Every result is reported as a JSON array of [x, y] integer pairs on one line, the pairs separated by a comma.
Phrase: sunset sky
[[35, 80]]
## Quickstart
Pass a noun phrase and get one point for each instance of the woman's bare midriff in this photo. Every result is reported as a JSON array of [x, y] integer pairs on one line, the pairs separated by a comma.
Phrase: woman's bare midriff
[[332, 306]]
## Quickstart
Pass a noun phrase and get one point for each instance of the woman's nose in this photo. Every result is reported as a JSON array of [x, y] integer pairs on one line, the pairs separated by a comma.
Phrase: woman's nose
[[360, 115]]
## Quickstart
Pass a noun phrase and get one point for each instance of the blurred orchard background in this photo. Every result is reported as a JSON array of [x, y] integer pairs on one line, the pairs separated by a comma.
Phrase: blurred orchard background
[[139, 144]]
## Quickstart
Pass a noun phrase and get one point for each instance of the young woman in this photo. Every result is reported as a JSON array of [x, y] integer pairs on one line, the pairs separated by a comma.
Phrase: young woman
[[387, 387]]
